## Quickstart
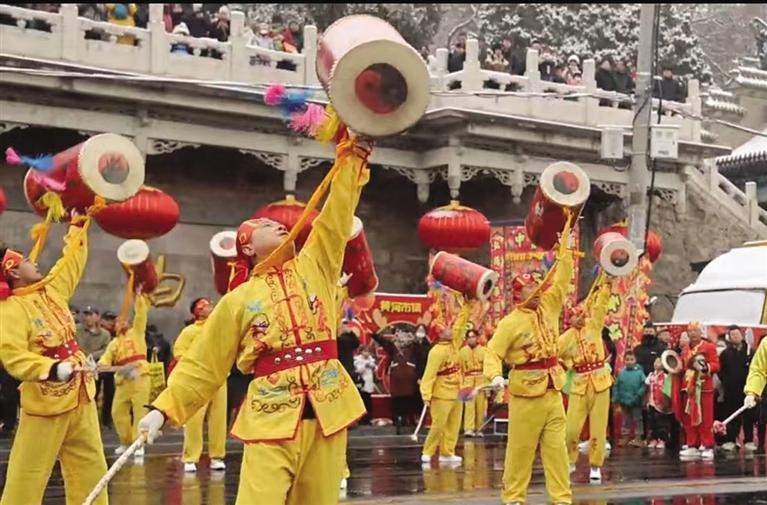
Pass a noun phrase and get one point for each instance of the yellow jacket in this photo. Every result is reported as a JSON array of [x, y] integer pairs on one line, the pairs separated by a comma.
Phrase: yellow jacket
[[581, 347], [129, 20], [185, 339], [526, 336], [471, 366], [442, 377], [37, 331], [130, 347], [757, 372], [289, 305]]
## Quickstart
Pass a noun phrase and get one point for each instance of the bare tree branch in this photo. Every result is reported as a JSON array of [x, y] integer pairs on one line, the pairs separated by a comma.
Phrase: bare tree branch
[[466, 22]]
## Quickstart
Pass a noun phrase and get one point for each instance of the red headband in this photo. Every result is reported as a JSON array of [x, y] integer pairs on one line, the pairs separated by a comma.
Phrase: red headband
[[245, 232], [519, 282]]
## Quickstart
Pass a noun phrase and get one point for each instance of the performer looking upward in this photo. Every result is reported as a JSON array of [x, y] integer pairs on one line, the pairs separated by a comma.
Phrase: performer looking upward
[[214, 411], [281, 326], [526, 339], [581, 349], [38, 347]]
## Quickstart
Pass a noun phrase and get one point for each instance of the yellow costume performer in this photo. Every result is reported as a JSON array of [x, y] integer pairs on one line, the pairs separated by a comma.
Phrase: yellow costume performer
[[440, 384], [128, 351], [280, 325], [38, 347], [757, 377], [583, 352], [472, 359], [214, 411], [526, 339]]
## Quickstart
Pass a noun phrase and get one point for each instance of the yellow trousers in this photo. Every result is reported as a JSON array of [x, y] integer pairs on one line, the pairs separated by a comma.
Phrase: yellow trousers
[[445, 425], [534, 421], [216, 414], [597, 407], [129, 406], [474, 412], [74, 438], [307, 469]]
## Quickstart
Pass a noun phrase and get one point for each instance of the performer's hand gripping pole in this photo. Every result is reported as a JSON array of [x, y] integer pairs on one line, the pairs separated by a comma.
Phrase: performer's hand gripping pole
[[721, 426], [414, 436], [116, 466]]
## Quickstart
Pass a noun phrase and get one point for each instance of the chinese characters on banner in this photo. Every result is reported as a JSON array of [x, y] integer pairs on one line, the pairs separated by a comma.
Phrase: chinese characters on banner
[[389, 309], [512, 254]]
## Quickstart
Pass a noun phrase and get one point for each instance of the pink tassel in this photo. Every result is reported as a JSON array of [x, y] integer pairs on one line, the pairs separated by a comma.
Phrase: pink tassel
[[12, 158], [274, 94], [309, 121]]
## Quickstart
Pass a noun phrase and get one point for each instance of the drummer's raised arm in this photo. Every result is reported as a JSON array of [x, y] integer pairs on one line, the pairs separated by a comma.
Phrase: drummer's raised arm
[[66, 273]]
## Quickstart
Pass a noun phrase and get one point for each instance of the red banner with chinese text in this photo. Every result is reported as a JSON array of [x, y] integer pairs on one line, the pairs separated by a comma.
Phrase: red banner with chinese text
[[389, 309]]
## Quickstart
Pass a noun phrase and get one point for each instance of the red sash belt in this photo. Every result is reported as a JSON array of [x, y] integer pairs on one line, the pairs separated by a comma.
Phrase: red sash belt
[[131, 359], [448, 371], [589, 367], [63, 351], [291, 357], [538, 365]]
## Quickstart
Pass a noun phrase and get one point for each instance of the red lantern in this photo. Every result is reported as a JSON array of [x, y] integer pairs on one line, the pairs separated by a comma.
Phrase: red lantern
[[454, 228], [2, 200], [150, 213], [653, 245], [286, 212]]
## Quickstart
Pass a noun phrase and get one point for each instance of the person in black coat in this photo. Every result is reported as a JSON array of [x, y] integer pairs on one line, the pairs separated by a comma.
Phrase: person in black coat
[[646, 353], [734, 362], [347, 342], [605, 78], [669, 88]]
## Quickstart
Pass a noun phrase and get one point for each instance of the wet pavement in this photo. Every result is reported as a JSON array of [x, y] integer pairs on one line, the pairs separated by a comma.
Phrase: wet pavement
[[386, 469]]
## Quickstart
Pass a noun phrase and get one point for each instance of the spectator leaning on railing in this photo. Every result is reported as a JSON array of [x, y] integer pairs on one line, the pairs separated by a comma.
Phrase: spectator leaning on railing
[[123, 15], [668, 87]]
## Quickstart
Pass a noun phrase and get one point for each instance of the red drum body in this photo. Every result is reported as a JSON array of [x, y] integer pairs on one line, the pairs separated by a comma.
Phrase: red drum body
[[474, 281], [106, 165], [135, 257], [378, 84], [223, 258], [615, 254], [358, 261], [563, 186]]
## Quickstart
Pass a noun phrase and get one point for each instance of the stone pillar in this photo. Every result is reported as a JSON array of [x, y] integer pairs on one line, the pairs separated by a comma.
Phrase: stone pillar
[[590, 81], [70, 32], [517, 185], [422, 185], [310, 55], [693, 99], [290, 176], [534, 84], [472, 75], [238, 64], [753, 203], [159, 47]]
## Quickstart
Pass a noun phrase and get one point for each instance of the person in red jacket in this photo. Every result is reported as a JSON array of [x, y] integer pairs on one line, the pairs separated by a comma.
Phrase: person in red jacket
[[701, 363]]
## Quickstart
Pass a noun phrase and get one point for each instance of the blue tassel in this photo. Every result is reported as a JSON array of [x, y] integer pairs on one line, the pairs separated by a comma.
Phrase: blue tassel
[[294, 100], [41, 163]]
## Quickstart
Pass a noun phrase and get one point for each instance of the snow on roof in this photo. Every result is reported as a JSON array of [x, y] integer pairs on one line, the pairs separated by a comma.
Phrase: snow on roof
[[750, 150], [743, 267]]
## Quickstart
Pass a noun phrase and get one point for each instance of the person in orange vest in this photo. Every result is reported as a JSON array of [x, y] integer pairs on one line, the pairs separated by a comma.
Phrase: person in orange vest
[[127, 351], [526, 339], [582, 351], [281, 326], [214, 411], [472, 357], [440, 385], [38, 347]]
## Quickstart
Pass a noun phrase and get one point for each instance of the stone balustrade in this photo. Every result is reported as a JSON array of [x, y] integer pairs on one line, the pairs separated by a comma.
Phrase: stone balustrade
[[63, 38]]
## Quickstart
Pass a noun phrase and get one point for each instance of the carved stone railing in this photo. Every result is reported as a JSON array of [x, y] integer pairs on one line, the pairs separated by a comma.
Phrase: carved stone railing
[[63, 39]]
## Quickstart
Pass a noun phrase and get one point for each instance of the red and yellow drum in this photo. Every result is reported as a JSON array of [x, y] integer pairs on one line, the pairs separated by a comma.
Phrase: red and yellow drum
[[358, 261], [378, 84], [563, 186], [134, 256], [107, 165], [464, 276], [615, 254], [223, 258]]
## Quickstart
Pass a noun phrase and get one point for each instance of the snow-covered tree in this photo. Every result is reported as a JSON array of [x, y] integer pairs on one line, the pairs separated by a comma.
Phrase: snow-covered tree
[[416, 22], [595, 30]]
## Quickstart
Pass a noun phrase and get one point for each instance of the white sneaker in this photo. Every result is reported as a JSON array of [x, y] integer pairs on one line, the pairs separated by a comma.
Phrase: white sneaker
[[652, 444], [344, 484], [707, 454], [572, 469], [469, 434], [190, 468], [595, 475], [729, 446], [139, 453], [479, 434], [121, 449], [453, 458], [217, 464], [608, 447], [584, 446], [689, 452], [750, 446], [425, 458]]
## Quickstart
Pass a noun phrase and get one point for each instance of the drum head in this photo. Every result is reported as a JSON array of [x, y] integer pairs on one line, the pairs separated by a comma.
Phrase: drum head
[[618, 257], [380, 87], [486, 285], [671, 362], [133, 252], [565, 184], [224, 244], [111, 166]]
